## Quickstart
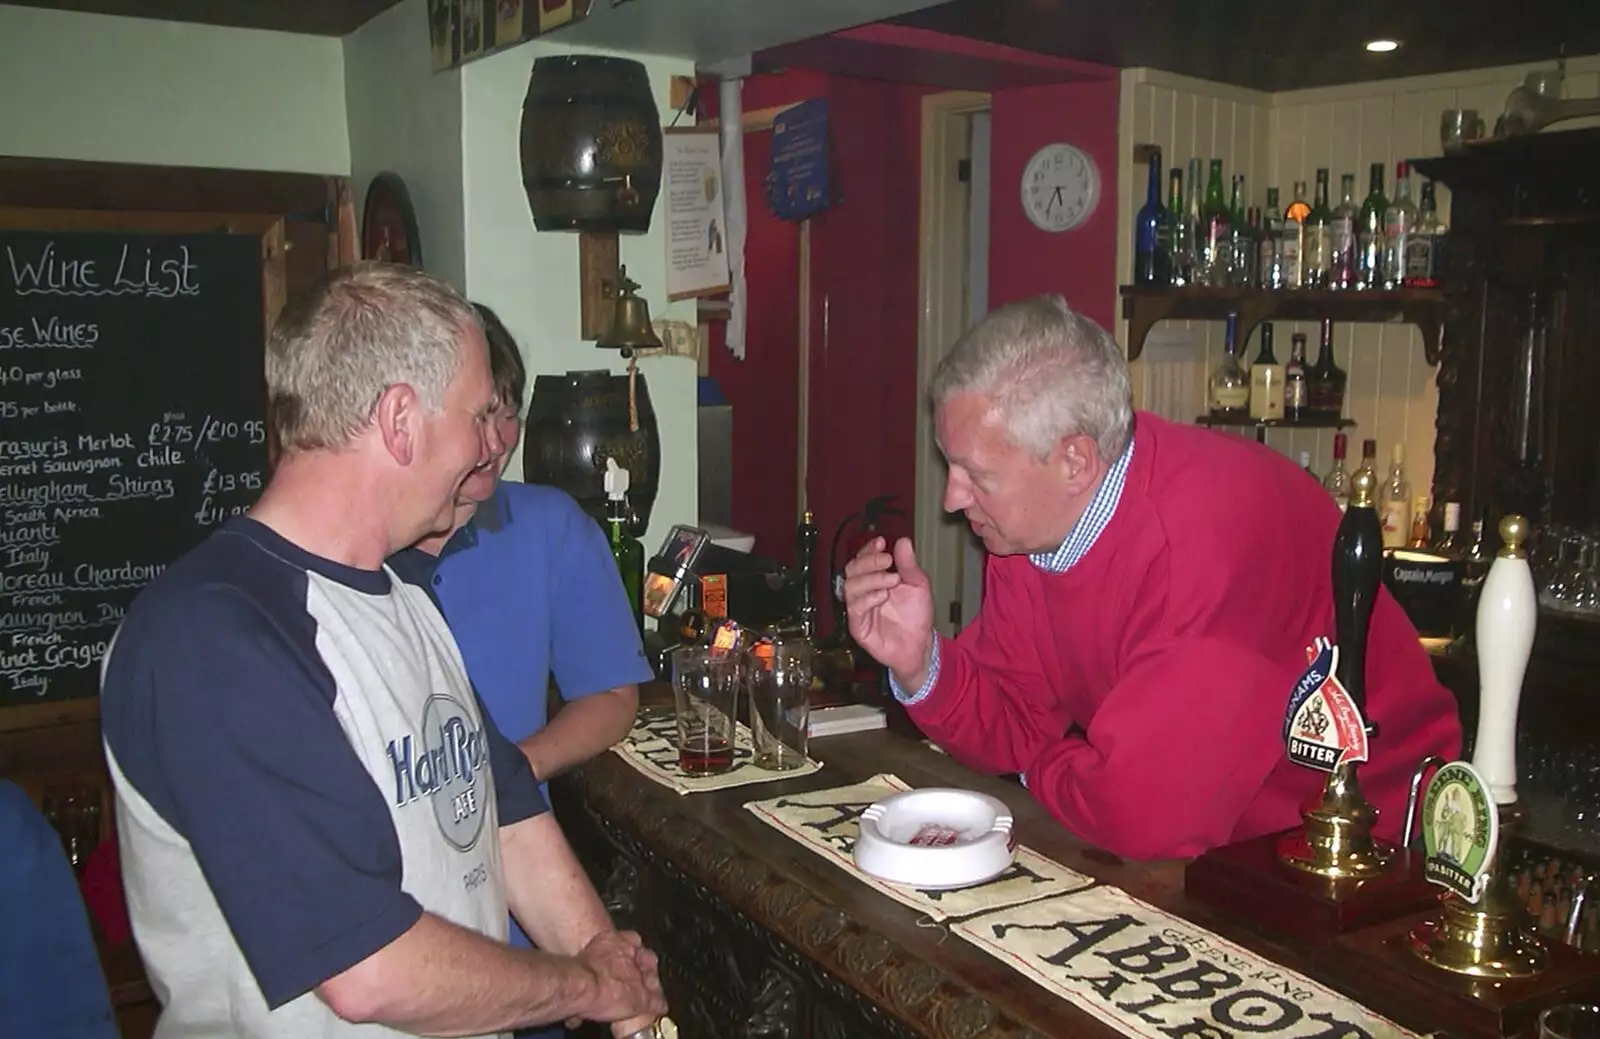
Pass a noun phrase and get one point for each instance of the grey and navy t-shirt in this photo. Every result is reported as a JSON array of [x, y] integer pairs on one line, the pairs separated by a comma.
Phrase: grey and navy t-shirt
[[302, 768]]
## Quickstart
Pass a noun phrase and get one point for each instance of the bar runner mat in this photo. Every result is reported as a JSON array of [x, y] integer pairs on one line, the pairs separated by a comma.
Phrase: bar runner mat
[[652, 748], [1147, 973], [827, 822]]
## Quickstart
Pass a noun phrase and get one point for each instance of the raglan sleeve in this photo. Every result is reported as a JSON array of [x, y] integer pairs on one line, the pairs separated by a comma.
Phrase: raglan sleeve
[[219, 715]]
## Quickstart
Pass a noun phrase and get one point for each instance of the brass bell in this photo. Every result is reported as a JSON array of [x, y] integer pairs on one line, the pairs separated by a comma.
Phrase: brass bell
[[630, 321]]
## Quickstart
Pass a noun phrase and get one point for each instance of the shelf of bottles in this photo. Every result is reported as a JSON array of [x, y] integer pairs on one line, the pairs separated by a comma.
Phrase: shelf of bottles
[[1202, 256]]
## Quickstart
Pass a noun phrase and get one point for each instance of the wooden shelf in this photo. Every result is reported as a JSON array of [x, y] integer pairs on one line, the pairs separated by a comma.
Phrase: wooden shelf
[[1262, 425], [1144, 306], [1276, 423]]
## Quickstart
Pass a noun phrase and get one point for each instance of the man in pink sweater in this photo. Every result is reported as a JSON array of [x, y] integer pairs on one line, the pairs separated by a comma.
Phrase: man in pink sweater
[[1150, 593]]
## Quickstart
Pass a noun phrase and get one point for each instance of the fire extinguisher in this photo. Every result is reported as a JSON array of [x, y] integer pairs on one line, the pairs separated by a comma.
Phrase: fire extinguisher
[[878, 518]]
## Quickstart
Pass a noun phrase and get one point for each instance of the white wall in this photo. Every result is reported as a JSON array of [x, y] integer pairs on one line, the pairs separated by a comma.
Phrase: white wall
[[1277, 139], [405, 118], [94, 87], [531, 278]]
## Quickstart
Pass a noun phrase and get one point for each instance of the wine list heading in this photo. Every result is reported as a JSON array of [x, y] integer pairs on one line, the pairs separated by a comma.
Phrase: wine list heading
[[151, 271]]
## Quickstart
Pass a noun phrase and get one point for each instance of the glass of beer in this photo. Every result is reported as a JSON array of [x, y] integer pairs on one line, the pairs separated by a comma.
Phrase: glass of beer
[[780, 703], [705, 689]]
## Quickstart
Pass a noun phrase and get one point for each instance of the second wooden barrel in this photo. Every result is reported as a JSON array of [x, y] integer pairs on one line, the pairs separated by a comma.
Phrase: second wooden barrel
[[591, 145], [578, 420]]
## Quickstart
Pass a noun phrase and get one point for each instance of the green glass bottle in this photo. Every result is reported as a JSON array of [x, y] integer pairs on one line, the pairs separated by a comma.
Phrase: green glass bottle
[[1214, 231], [625, 548], [1369, 233]]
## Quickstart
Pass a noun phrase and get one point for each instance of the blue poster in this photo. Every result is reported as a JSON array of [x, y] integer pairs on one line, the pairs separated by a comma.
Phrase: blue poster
[[798, 185]]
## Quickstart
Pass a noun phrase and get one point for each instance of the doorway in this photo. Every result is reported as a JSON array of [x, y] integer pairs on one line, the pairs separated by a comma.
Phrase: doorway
[[953, 294]]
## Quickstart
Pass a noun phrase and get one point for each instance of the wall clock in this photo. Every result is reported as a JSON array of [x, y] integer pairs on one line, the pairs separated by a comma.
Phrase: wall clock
[[389, 224], [1060, 187]]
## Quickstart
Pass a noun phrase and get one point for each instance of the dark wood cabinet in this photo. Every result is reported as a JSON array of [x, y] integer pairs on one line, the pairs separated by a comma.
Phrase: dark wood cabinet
[[1519, 418], [1518, 429]]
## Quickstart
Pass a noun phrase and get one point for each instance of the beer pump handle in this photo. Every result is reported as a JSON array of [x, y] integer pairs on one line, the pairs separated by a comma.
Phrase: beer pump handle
[[1508, 613], [1357, 569]]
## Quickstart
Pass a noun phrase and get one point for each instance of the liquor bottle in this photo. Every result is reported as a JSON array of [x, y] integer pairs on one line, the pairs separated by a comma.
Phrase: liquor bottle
[[1394, 500], [1369, 232], [1423, 247], [1179, 234], [1296, 381], [626, 550], [1215, 260], [1305, 463], [1337, 482], [1269, 265], [692, 627], [1369, 464], [1448, 542], [1398, 221], [1247, 254], [1228, 390], [1294, 237], [1421, 532], [805, 556], [1266, 381], [1342, 237], [1326, 381], [1241, 246], [1193, 218], [1150, 263], [1318, 259]]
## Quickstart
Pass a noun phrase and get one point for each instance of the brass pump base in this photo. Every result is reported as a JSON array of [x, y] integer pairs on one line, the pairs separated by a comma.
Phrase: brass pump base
[[1490, 939], [1337, 841], [1478, 943]]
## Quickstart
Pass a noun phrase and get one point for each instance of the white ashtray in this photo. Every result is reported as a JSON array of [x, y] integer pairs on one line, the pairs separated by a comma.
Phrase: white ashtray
[[936, 839]]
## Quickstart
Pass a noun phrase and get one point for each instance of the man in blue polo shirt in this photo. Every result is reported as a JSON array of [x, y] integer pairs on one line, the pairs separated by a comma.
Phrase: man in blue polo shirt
[[527, 583]]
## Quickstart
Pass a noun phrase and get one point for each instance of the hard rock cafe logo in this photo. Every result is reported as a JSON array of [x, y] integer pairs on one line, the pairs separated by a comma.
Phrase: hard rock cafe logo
[[1322, 727], [1460, 830], [448, 765]]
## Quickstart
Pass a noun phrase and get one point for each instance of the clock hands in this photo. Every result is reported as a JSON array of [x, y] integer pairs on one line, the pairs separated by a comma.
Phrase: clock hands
[[1055, 196]]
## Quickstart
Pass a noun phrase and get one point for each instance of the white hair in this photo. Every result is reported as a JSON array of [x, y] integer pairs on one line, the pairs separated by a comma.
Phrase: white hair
[[365, 328], [1047, 371]]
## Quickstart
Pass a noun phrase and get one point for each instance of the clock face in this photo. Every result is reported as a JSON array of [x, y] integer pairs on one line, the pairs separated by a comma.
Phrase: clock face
[[1060, 187]]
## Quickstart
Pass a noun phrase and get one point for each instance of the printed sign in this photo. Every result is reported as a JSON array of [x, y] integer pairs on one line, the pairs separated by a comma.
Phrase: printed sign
[[1147, 973], [1460, 830], [828, 822], [1322, 727]]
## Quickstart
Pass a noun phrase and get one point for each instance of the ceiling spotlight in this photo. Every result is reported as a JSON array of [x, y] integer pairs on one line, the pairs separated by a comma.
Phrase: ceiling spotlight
[[1382, 46]]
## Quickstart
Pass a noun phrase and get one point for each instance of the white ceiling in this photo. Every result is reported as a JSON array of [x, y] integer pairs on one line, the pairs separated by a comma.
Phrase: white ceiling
[[709, 31]]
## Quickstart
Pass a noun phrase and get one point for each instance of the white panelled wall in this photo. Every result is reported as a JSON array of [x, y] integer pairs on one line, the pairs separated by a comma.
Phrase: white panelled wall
[[1275, 140]]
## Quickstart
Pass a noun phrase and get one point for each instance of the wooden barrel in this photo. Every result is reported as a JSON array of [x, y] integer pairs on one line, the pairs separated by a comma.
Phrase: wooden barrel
[[578, 420], [591, 145]]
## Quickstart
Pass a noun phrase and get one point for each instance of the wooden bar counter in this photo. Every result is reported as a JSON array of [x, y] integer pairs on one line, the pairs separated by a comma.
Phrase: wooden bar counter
[[760, 936]]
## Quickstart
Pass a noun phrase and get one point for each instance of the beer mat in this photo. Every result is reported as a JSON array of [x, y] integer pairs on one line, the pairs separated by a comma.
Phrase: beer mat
[[652, 748], [827, 822], [1147, 973]]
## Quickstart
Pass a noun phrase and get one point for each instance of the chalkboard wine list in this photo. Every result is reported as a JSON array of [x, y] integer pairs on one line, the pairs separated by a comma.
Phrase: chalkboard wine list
[[132, 424]]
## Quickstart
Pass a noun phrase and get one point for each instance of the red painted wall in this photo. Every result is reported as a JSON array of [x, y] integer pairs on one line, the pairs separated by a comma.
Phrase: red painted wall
[[763, 387], [1023, 260], [864, 274], [865, 402]]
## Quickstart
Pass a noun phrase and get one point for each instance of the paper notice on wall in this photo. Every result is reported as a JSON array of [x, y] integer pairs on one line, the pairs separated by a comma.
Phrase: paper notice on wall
[[697, 227]]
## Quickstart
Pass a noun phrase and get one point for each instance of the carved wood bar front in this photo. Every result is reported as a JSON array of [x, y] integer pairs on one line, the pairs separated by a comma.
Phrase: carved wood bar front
[[761, 937]]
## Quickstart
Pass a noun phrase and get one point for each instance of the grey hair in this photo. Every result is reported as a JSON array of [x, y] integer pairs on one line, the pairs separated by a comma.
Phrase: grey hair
[[365, 328], [1048, 373]]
